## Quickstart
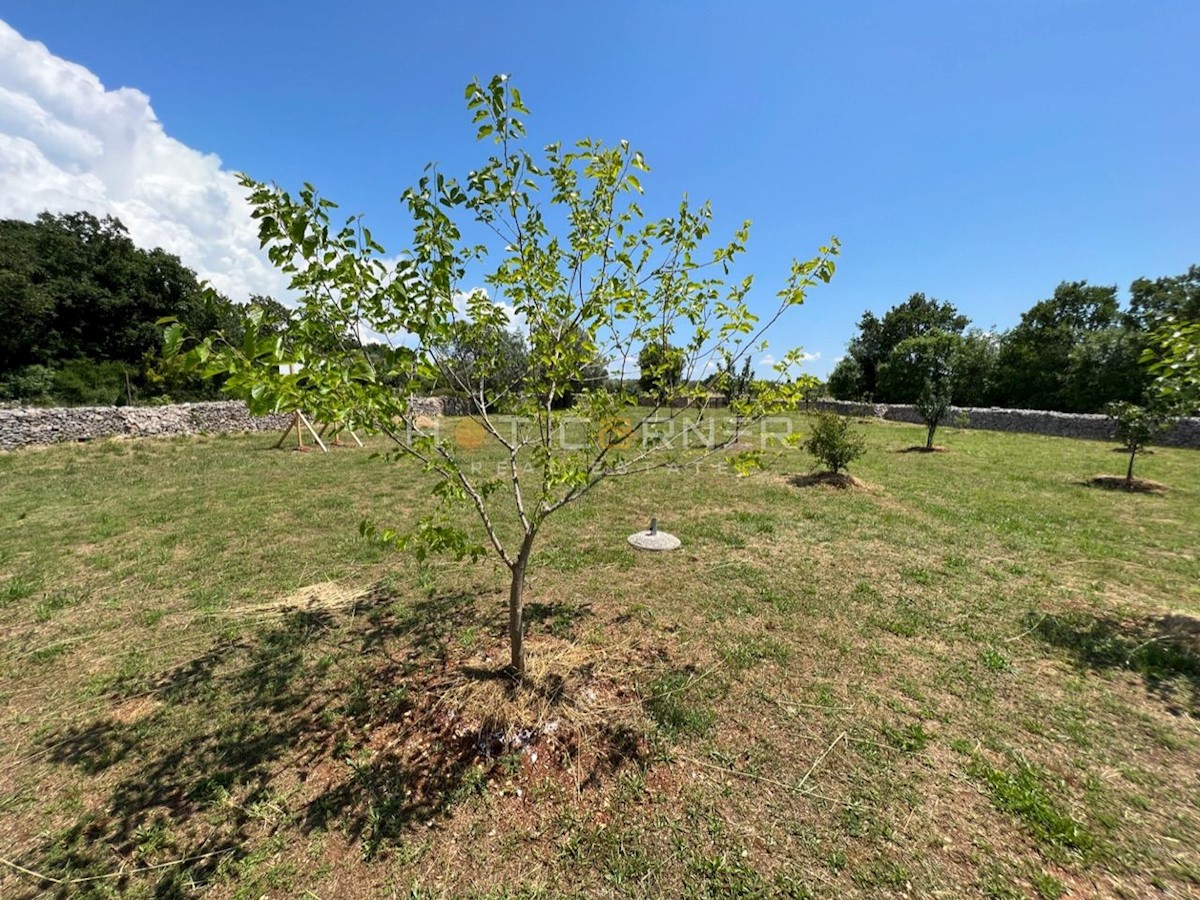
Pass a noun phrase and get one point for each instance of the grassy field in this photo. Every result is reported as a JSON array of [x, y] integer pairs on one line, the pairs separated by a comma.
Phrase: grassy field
[[976, 676]]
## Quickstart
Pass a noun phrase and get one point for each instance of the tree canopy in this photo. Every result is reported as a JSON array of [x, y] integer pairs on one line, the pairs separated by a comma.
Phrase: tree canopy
[[81, 302], [1075, 351], [857, 376]]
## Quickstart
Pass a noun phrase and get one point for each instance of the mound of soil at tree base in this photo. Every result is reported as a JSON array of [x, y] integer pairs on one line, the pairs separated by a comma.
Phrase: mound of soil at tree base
[[1121, 483], [430, 736], [1125, 450], [840, 480], [921, 448]]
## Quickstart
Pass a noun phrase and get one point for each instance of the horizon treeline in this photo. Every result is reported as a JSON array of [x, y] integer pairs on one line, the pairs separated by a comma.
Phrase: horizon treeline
[[81, 303], [1075, 351]]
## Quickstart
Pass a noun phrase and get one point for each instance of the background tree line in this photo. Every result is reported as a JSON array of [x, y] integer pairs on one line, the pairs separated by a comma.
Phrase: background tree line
[[1077, 351], [80, 304]]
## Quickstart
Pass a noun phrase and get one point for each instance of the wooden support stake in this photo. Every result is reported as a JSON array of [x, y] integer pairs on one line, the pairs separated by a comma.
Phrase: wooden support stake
[[294, 423], [312, 431]]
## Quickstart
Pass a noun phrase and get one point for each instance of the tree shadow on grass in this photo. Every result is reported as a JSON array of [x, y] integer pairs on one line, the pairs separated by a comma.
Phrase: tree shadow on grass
[[1164, 650], [273, 731], [558, 619]]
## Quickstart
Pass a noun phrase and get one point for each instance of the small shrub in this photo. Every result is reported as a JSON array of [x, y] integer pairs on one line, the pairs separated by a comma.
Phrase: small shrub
[[835, 442], [83, 382], [994, 660]]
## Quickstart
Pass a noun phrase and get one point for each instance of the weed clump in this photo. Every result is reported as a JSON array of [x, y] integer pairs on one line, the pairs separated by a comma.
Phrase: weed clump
[[676, 707]]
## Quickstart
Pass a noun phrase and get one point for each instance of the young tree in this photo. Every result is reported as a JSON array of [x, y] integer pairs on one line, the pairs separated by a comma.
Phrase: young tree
[[1137, 427], [921, 370], [932, 404], [737, 385], [576, 259]]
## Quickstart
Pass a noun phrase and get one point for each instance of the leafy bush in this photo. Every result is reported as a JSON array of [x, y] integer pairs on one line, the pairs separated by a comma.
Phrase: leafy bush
[[82, 382], [31, 384], [835, 442]]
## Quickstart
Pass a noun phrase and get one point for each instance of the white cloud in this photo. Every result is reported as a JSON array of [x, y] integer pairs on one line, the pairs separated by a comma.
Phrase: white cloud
[[768, 361], [516, 321], [67, 144]]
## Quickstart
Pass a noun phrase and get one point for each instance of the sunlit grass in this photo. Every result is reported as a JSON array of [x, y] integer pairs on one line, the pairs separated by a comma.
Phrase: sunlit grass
[[948, 680]]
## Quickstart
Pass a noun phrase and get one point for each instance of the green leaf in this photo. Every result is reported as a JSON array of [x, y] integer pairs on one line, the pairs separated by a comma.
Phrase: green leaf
[[172, 341]]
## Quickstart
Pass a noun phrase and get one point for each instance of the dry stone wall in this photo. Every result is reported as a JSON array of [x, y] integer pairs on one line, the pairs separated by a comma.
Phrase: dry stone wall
[[439, 406], [27, 426], [1186, 432], [30, 426]]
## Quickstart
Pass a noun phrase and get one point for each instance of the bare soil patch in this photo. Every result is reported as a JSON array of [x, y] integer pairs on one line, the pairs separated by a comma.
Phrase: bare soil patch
[[840, 480], [1133, 485], [921, 448]]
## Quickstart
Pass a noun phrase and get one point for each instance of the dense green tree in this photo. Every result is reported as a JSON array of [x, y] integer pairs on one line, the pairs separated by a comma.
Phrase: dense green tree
[[76, 292], [975, 372], [1151, 301], [846, 380], [877, 337], [1034, 360], [1104, 366], [661, 368]]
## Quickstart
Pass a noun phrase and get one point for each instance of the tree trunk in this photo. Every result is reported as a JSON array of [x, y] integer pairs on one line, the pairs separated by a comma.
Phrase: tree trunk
[[516, 607], [929, 435], [1129, 471]]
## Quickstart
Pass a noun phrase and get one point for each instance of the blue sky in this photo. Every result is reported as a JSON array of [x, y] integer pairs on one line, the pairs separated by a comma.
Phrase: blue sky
[[980, 152]]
